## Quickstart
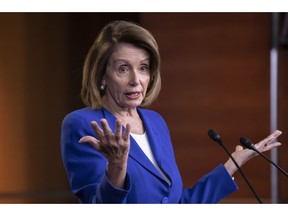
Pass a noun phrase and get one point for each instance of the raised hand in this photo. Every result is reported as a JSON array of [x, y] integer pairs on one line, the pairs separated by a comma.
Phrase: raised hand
[[242, 155], [114, 146]]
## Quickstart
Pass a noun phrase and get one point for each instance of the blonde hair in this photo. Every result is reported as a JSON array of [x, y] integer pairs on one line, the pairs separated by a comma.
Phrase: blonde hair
[[100, 52]]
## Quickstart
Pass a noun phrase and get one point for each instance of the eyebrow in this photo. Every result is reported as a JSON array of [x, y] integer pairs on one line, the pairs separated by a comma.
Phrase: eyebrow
[[127, 61]]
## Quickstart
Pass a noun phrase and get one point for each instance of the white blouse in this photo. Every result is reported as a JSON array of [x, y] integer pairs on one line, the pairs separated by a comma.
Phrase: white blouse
[[142, 141]]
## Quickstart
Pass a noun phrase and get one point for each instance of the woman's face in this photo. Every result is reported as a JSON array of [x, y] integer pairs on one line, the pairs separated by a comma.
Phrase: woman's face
[[127, 76]]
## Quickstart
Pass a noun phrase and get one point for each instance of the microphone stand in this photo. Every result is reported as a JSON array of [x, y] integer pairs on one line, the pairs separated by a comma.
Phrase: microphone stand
[[219, 141]]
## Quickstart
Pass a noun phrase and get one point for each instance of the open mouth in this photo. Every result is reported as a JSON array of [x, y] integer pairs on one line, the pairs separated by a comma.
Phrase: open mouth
[[133, 95]]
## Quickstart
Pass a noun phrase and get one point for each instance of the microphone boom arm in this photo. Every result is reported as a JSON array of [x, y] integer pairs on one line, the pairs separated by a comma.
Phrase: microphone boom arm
[[248, 144], [216, 137]]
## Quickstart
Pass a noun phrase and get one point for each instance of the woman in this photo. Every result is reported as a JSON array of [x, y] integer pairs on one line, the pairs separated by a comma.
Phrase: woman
[[116, 152]]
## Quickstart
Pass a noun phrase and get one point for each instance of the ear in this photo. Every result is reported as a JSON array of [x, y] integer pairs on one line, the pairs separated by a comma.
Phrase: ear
[[103, 81]]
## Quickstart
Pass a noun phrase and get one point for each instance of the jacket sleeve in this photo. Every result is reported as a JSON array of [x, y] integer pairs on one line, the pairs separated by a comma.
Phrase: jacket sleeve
[[211, 188], [85, 166]]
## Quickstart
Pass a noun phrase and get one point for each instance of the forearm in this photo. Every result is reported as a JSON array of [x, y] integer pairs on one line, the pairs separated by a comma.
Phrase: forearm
[[231, 167], [116, 173], [240, 159]]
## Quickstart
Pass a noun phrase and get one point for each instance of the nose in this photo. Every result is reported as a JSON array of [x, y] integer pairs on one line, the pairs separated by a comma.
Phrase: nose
[[134, 78]]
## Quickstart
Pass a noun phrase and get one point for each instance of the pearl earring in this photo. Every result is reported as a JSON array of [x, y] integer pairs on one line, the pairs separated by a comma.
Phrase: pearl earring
[[102, 87]]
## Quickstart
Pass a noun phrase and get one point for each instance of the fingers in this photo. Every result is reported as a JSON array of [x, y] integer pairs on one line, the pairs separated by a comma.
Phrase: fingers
[[106, 129], [91, 140], [277, 133], [271, 137], [126, 134], [105, 134], [269, 142], [97, 130], [118, 129], [271, 146]]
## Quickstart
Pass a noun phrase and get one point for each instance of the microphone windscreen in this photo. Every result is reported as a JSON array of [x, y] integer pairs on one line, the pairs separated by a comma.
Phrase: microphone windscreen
[[246, 143], [214, 135]]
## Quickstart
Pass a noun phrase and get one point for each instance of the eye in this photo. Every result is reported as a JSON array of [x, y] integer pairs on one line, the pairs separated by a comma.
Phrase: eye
[[123, 69], [144, 68]]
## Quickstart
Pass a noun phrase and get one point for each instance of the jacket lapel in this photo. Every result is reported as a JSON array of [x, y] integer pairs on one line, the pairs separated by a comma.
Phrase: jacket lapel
[[135, 151], [155, 141]]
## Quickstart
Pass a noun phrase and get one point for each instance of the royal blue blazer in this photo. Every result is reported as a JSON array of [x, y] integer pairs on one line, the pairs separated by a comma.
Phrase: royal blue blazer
[[85, 166]]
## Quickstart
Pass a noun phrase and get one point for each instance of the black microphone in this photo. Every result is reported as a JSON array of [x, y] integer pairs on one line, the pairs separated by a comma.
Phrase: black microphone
[[216, 137], [248, 144]]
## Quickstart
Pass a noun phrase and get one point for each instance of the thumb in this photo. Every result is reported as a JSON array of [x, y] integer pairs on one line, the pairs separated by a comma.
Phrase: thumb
[[87, 139], [238, 148], [91, 140]]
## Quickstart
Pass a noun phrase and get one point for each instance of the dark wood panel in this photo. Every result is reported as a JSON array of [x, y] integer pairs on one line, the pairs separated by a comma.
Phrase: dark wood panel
[[215, 70], [283, 122]]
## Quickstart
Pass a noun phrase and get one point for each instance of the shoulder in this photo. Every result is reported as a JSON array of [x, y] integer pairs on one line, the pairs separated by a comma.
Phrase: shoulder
[[153, 121], [86, 114], [150, 114], [151, 117]]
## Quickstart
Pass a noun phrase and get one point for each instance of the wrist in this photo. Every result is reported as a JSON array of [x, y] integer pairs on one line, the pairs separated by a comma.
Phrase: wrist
[[230, 166], [116, 173]]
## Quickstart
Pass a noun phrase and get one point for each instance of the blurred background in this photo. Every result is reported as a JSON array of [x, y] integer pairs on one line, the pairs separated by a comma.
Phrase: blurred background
[[215, 71]]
